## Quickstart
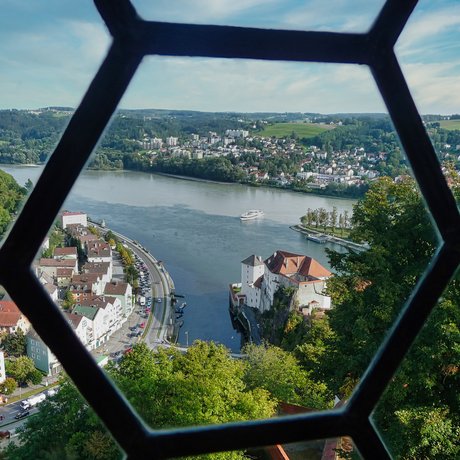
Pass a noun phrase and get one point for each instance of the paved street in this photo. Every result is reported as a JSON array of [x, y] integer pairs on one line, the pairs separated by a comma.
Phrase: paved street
[[156, 327], [161, 312]]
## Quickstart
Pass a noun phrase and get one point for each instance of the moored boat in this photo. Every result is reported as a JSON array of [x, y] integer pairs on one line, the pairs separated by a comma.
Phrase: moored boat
[[317, 238]]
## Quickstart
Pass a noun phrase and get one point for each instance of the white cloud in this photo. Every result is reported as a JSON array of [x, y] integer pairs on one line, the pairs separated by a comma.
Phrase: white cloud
[[335, 15], [427, 25], [244, 85], [435, 87], [199, 11]]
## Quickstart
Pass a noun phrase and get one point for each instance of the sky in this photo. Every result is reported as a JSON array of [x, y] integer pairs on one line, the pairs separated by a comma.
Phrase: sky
[[51, 49]]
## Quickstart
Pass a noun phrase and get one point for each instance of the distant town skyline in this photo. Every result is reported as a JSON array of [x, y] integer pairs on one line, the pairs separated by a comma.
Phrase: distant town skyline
[[50, 51]]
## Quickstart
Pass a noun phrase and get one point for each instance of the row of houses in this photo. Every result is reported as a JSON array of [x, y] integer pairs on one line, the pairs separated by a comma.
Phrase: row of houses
[[100, 304]]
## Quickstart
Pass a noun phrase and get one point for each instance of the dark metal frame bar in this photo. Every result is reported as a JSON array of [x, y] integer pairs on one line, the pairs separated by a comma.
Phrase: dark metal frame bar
[[133, 38]]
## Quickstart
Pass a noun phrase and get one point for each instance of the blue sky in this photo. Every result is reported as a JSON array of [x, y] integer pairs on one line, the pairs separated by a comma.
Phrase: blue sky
[[50, 50]]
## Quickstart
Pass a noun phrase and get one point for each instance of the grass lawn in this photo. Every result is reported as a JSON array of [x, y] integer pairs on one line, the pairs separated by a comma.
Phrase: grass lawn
[[450, 124], [341, 233], [301, 129]]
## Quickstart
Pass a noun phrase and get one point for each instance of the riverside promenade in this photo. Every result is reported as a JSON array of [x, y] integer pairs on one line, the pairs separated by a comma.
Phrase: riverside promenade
[[160, 322], [330, 238]]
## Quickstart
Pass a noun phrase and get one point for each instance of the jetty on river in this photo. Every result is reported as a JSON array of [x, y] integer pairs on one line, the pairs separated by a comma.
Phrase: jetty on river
[[321, 238]]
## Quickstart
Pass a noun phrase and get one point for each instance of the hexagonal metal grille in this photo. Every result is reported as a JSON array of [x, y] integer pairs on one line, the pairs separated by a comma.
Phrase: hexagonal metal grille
[[134, 38]]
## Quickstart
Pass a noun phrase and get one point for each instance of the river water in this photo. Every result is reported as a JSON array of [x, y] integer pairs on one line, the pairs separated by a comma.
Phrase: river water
[[194, 228]]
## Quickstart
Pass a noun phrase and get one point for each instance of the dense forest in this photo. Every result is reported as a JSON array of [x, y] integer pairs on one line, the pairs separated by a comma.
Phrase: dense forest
[[11, 197], [419, 415]]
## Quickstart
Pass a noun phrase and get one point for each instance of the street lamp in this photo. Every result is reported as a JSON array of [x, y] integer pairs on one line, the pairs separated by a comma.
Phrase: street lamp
[[186, 337]]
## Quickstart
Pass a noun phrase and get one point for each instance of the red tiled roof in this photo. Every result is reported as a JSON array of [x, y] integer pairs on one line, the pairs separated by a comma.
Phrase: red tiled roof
[[64, 272], [9, 318], [9, 313], [72, 251], [8, 306], [288, 263], [85, 278], [116, 288], [57, 262], [77, 213], [73, 319], [96, 267]]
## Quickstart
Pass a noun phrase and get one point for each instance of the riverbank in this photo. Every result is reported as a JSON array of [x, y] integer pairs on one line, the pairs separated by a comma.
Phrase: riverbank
[[317, 193], [319, 237]]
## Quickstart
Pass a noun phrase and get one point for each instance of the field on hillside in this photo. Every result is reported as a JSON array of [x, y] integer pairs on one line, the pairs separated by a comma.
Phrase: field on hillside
[[301, 129], [450, 124]]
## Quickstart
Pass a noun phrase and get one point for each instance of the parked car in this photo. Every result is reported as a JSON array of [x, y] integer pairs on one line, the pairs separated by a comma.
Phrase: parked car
[[142, 325]]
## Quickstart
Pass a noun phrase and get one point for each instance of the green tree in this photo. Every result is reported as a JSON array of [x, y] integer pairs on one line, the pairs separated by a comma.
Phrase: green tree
[[8, 386], [69, 300], [279, 372], [322, 218], [425, 433], [15, 344], [368, 292], [22, 369], [167, 388], [199, 387], [333, 217], [67, 428]]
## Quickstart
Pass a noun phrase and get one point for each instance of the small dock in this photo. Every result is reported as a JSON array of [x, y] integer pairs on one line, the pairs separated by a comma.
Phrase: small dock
[[322, 238]]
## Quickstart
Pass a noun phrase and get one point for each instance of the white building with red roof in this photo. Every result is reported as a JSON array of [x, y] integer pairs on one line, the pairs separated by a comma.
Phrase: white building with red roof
[[122, 291], [50, 266], [261, 279], [99, 251], [11, 318], [72, 218], [65, 253]]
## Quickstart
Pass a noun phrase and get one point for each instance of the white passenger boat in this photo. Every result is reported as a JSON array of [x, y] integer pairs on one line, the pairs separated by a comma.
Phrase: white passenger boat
[[317, 237], [252, 214]]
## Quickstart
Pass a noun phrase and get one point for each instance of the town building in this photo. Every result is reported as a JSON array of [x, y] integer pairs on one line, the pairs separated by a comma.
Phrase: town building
[[260, 279], [99, 251], [104, 269], [68, 218], [123, 292], [11, 318], [41, 355], [65, 253], [50, 266]]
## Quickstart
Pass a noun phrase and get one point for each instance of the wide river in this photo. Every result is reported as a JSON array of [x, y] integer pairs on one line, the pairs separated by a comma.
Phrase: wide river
[[194, 228]]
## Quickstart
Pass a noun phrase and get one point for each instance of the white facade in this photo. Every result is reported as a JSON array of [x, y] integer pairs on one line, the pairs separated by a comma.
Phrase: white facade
[[171, 141], [70, 218], [261, 279], [124, 293], [2, 367], [252, 269]]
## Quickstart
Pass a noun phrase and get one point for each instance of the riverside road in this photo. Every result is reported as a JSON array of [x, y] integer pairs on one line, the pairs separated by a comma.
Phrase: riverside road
[[162, 286], [158, 324]]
